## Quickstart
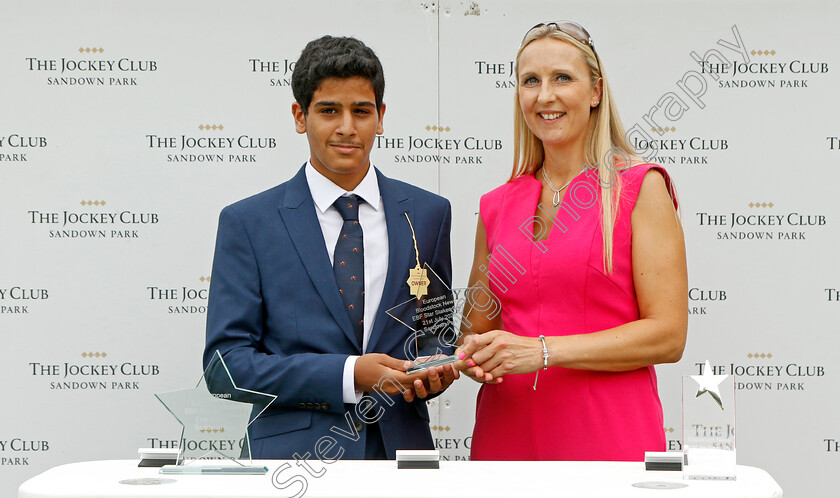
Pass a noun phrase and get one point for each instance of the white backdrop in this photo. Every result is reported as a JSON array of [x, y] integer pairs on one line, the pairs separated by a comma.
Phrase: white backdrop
[[110, 190]]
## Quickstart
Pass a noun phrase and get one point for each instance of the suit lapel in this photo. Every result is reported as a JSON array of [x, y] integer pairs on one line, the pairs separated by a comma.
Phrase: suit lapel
[[298, 212], [401, 255]]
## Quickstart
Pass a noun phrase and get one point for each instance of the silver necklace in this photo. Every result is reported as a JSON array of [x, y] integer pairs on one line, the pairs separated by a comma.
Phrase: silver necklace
[[556, 198]]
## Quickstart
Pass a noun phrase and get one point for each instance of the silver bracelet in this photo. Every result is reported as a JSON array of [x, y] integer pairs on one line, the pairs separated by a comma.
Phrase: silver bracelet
[[545, 356]]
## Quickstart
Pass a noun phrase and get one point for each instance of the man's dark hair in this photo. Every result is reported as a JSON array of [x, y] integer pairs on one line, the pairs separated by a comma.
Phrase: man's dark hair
[[335, 57]]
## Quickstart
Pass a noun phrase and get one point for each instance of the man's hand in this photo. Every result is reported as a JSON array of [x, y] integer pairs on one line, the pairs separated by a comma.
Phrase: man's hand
[[433, 380], [387, 374]]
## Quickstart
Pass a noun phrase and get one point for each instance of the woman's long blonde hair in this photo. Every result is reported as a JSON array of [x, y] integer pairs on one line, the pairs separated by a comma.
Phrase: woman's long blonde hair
[[606, 148]]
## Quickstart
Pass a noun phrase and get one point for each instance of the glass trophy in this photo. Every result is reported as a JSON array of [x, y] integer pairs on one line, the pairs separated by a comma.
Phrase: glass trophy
[[215, 415], [438, 317], [436, 314], [708, 425]]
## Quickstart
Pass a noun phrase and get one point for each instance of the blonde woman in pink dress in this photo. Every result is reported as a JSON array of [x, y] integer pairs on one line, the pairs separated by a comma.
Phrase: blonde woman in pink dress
[[587, 259]]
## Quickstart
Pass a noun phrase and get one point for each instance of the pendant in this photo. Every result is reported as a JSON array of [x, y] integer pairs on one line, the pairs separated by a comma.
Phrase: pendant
[[418, 282]]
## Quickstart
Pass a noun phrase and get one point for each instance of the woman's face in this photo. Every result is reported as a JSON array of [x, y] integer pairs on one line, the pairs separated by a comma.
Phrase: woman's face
[[556, 92]]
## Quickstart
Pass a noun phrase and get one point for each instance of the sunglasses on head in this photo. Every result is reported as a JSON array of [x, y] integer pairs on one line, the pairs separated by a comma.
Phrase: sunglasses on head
[[571, 28]]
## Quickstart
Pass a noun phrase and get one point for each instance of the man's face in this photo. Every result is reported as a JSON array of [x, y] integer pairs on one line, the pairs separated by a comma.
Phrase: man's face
[[341, 126]]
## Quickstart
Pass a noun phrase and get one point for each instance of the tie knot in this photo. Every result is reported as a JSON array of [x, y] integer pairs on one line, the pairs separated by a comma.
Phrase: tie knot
[[348, 207]]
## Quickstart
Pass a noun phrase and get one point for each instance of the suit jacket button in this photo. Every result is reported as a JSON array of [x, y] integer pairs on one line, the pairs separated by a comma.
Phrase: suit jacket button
[[301, 405], [324, 406], [309, 406], [358, 426]]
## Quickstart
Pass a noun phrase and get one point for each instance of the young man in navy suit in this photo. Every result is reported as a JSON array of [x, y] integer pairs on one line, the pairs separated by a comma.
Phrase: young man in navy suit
[[296, 311]]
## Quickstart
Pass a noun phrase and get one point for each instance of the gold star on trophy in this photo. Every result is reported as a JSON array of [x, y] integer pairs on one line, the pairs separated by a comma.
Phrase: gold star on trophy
[[418, 282]]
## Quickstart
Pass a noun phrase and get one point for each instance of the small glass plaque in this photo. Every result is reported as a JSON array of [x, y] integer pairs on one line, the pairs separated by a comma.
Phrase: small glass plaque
[[215, 415], [709, 425]]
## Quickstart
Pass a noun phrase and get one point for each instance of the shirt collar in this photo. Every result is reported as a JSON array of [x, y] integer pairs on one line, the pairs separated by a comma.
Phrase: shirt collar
[[325, 192]]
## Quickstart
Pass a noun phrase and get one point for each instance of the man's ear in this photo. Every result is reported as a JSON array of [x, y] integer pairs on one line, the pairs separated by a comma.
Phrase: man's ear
[[300, 118], [379, 129]]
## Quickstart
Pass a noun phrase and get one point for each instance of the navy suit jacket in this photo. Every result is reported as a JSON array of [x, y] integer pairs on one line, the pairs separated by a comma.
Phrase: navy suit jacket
[[276, 316]]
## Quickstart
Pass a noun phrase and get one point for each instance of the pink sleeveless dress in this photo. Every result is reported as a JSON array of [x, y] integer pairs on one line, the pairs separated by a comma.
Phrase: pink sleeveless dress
[[558, 287]]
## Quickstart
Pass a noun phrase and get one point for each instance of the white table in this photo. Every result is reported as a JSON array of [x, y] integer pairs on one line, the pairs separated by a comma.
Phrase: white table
[[383, 479]]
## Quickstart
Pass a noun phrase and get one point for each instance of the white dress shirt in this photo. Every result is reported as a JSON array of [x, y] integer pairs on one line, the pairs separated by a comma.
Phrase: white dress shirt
[[375, 232]]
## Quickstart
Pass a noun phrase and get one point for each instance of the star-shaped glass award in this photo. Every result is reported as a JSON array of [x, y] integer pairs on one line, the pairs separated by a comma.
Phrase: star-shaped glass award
[[708, 425], [215, 415], [439, 318]]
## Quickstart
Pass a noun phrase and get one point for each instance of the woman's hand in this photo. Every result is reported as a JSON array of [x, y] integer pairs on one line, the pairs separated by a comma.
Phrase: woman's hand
[[497, 353], [469, 368]]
